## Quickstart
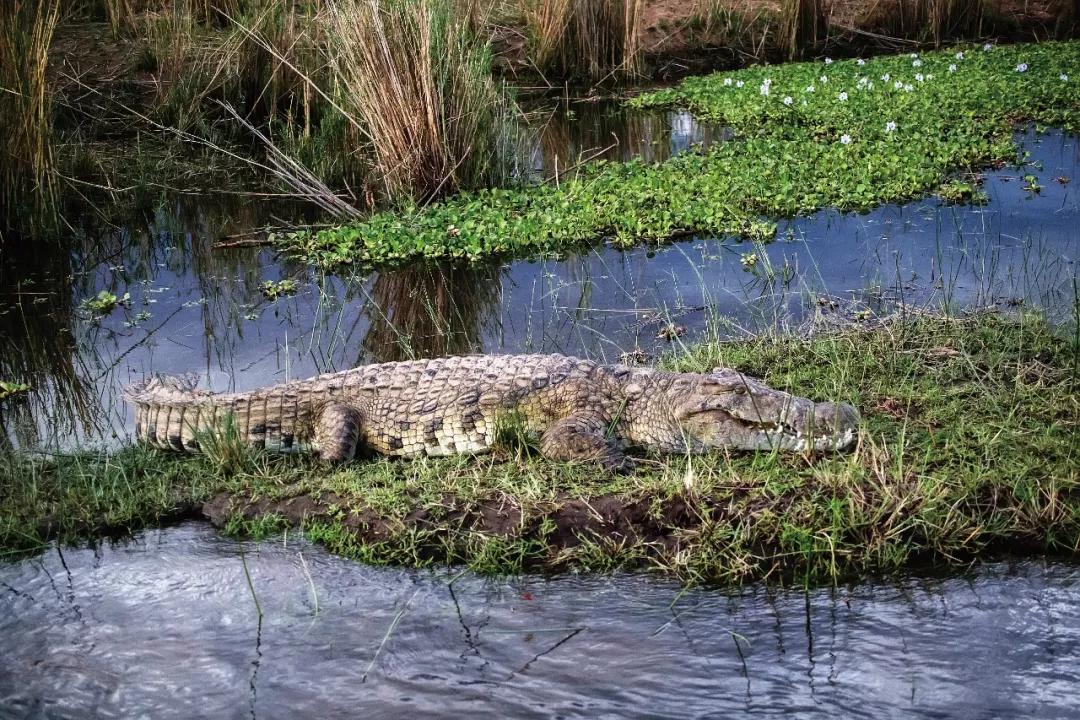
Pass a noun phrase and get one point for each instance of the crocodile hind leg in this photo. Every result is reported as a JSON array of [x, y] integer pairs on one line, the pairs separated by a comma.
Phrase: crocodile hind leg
[[337, 432], [584, 438]]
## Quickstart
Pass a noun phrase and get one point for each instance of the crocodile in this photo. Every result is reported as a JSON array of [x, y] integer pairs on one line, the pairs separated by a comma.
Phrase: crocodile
[[579, 410]]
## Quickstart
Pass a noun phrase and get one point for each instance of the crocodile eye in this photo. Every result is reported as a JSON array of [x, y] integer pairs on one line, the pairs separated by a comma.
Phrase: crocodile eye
[[740, 389]]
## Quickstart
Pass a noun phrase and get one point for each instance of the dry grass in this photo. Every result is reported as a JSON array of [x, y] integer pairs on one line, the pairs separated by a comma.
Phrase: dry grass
[[927, 21], [593, 39], [416, 76], [804, 26]]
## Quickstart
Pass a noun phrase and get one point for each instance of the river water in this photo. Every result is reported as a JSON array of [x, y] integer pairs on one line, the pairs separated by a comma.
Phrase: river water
[[164, 625]]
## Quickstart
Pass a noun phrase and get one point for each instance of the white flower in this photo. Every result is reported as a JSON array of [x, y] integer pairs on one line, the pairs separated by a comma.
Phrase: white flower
[[916, 63], [952, 68], [890, 127], [864, 81], [1064, 77], [828, 61], [988, 47], [845, 139], [919, 77], [885, 77], [842, 97], [764, 89], [788, 100], [809, 88], [929, 76], [898, 85], [860, 61], [909, 88], [1022, 67], [739, 83], [914, 55], [823, 79], [960, 55], [727, 81]]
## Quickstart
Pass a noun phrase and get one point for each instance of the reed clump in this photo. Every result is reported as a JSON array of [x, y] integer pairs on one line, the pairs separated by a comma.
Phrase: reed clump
[[589, 39], [928, 21], [26, 171], [415, 76], [804, 26]]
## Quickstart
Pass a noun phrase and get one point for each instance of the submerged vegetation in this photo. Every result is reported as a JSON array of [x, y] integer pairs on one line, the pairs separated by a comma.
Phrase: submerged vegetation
[[847, 134], [968, 443]]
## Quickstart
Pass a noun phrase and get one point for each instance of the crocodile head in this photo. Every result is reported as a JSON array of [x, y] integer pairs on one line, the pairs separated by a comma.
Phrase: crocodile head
[[727, 409]]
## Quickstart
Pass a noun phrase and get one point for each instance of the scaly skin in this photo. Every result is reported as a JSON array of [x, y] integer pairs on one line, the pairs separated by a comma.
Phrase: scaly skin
[[581, 410]]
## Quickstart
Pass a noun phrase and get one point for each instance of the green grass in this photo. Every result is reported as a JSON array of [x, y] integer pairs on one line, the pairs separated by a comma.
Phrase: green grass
[[788, 159], [968, 443]]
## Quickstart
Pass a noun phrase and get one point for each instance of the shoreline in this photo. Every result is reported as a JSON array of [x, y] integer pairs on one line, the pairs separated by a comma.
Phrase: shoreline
[[967, 445]]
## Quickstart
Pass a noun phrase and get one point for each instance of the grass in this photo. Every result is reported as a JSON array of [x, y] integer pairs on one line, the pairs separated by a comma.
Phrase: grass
[[968, 443], [27, 184], [873, 131]]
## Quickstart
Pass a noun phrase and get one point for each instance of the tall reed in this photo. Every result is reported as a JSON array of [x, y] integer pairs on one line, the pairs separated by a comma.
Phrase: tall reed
[[416, 76], [927, 21], [26, 169], [804, 26], [593, 39]]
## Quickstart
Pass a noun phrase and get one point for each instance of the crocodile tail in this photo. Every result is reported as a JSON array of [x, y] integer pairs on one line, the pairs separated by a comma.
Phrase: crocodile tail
[[170, 412]]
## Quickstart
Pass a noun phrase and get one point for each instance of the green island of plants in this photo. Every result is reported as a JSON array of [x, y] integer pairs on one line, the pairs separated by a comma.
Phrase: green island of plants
[[848, 134], [968, 443]]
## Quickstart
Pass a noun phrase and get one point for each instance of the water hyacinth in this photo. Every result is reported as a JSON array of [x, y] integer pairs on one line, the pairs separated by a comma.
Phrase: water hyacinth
[[788, 100], [1063, 77], [824, 79], [1022, 67], [739, 83], [728, 81], [886, 77], [952, 67], [919, 77], [782, 169], [917, 63], [988, 47], [842, 97], [860, 62], [828, 61]]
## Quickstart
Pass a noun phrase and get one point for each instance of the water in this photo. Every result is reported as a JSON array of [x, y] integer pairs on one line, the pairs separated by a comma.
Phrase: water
[[195, 309], [164, 626]]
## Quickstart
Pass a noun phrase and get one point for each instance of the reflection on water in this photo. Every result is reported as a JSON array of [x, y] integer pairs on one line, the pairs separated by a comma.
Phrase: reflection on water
[[429, 311], [164, 626], [200, 310], [570, 133]]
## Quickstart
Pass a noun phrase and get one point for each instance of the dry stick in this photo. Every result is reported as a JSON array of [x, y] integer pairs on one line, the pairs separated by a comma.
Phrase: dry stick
[[296, 175]]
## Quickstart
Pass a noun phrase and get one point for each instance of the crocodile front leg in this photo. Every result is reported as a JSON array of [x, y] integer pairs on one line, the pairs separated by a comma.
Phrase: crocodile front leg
[[581, 437], [337, 431]]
